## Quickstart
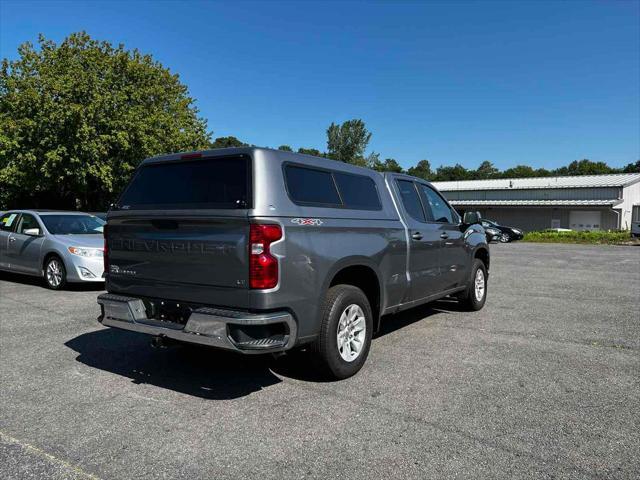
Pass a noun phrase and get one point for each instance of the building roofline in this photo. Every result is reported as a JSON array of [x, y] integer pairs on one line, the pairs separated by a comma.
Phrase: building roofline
[[525, 183]]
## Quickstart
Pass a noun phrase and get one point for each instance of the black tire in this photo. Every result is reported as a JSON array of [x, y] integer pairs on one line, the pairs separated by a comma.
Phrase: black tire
[[325, 349], [468, 299], [505, 238], [55, 262]]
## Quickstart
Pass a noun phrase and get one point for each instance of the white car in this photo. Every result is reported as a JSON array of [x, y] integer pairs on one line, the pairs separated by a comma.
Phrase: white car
[[55, 245]]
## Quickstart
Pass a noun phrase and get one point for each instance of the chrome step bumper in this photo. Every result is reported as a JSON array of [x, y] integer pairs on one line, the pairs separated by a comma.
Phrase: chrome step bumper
[[206, 325]]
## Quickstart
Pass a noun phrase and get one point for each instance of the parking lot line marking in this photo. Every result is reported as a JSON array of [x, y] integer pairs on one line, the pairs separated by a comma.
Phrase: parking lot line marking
[[48, 456]]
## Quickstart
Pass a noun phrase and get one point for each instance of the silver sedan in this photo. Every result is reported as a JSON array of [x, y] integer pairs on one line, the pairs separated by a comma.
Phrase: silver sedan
[[58, 246]]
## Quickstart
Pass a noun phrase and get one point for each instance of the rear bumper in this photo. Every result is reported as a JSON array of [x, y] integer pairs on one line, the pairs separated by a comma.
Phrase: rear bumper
[[205, 326]]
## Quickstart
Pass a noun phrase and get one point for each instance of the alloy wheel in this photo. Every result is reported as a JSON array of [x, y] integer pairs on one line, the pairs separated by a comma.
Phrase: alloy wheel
[[351, 335], [479, 285], [54, 273]]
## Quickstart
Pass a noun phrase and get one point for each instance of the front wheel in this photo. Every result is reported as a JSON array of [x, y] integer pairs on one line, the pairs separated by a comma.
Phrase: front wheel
[[345, 334], [55, 275], [505, 238], [475, 295]]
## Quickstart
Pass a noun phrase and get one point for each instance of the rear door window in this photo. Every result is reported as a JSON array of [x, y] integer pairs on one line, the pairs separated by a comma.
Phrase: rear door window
[[222, 182], [358, 191], [7, 222], [410, 200], [311, 186]]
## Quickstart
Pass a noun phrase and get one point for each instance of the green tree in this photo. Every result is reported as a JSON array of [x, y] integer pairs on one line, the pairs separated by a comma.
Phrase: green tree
[[227, 142], [585, 167], [311, 151], [421, 170], [389, 165], [632, 168], [486, 170], [77, 118], [457, 172], [519, 171], [348, 142], [285, 148]]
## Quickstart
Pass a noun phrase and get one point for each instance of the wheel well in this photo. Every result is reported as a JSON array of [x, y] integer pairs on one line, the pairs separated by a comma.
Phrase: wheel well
[[366, 280], [483, 255], [47, 257]]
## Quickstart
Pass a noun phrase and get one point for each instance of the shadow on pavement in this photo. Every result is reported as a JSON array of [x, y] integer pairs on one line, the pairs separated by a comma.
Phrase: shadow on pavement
[[206, 372], [39, 282], [198, 371], [392, 323]]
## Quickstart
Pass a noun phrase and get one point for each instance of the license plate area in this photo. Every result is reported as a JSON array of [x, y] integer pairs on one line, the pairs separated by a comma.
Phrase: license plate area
[[168, 311]]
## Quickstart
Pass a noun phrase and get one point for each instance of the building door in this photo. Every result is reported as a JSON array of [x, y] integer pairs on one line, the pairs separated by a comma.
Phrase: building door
[[585, 220]]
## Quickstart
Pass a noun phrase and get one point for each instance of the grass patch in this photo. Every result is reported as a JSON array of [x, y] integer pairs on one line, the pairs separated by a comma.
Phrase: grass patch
[[609, 237]]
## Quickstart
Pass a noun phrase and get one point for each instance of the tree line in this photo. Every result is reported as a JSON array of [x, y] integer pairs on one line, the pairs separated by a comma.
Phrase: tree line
[[348, 142], [76, 118]]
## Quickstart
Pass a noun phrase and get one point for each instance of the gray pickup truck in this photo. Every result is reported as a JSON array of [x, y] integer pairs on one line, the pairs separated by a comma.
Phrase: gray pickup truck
[[255, 250]]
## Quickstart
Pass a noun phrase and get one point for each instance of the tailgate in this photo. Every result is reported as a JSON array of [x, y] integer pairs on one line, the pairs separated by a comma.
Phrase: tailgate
[[210, 252]]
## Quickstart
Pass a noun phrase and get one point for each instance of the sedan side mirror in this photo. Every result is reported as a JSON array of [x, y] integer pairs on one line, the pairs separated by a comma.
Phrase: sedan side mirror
[[471, 217], [33, 232]]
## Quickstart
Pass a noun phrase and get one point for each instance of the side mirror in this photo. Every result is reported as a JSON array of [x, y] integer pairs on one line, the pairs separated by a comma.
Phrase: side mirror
[[471, 217], [33, 232]]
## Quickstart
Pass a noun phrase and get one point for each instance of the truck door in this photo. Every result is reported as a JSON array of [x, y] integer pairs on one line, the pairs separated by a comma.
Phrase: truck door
[[453, 254], [424, 243]]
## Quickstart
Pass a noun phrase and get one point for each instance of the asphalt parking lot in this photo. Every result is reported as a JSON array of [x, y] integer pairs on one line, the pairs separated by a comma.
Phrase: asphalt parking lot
[[542, 383]]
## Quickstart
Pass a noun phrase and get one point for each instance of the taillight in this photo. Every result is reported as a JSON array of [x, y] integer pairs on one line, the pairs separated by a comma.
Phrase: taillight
[[105, 255], [263, 267]]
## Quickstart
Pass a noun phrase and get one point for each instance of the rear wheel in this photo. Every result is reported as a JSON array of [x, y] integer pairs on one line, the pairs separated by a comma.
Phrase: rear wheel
[[55, 275], [345, 334], [475, 296]]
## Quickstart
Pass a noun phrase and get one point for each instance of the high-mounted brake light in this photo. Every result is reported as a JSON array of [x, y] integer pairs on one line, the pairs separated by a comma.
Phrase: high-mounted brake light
[[263, 267], [105, 255], [190, 155]]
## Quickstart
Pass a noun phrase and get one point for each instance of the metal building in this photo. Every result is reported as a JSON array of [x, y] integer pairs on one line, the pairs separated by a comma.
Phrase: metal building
[[589, 202]]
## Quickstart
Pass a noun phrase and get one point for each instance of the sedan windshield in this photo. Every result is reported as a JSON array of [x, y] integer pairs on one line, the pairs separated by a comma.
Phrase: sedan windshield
[[73, 224]]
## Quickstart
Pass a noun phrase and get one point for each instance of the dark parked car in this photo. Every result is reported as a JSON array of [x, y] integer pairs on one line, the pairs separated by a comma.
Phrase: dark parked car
[[507, 234], [258, 251], [493, 234]]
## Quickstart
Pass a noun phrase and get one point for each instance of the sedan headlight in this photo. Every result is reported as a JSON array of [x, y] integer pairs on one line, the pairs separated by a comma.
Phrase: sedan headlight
[[516, 231], [86, 252]]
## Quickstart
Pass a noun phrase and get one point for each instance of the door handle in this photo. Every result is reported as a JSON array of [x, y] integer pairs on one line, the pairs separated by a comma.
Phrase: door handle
[[416, 236], [444, 236]]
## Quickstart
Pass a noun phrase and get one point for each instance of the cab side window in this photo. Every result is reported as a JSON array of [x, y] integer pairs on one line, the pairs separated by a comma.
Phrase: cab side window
[[440, 211], [26, 221], [410, 200]]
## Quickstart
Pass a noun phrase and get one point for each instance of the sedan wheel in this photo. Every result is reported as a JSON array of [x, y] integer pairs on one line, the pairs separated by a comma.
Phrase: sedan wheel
[[505, 238], [55, 274]]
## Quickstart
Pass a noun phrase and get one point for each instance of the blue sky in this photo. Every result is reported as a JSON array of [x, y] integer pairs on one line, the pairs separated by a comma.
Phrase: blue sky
[[540, 83]]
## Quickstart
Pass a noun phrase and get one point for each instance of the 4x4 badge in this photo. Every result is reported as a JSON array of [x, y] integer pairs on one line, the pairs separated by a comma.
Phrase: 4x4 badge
[[307, 221]]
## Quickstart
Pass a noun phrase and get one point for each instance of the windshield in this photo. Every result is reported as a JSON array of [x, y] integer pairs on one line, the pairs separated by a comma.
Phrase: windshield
[[73, 224]]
